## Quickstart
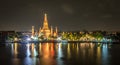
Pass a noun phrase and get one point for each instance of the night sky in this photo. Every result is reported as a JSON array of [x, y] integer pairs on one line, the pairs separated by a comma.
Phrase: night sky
[[67, 15]]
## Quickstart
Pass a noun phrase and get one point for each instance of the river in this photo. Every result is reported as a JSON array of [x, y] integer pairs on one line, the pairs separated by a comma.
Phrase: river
[[60, 54]]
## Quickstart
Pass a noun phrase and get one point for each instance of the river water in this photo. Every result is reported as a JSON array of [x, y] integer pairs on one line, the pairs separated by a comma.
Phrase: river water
[[60, 54]]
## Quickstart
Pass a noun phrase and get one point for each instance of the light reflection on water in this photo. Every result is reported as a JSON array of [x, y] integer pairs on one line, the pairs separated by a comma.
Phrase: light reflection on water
[[59, 54]]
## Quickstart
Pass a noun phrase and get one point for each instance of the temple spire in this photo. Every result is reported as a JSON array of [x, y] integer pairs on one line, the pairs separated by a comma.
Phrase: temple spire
[[33, 32], [45, 23], [51, 31], [45, 29], [45, 17]]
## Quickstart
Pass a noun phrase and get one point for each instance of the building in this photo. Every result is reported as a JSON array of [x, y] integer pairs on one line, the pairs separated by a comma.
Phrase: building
[[45, 31], [33, 32]]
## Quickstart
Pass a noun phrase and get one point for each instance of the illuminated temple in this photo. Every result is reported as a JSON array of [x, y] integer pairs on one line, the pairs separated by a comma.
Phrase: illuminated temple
[[45, 31]]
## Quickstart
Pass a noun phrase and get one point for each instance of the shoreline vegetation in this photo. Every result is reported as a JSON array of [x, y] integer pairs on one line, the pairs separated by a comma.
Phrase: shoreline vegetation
[[61, 37]]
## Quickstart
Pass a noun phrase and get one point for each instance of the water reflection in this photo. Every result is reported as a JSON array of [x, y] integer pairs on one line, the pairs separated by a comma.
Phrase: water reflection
[[98, 54], [28, 50], [59, 53], [105, 55], [68, 51], [27, 60]]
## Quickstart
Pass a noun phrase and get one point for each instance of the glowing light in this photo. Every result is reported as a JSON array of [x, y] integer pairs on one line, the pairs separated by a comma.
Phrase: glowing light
[[35, 38], [105, 53], [59, 38], [60, 53], [28, 39], [15, 49], [28, 51], [98, 54], [12, 49], [15, 39], [68, 50], [33, 50], [40, 49], [32, 37]]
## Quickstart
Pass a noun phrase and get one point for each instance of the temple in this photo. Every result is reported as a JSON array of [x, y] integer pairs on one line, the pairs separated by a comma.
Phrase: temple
[[45, 31]]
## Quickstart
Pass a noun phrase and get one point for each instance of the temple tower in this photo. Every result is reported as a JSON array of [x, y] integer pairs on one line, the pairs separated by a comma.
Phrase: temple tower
[[51, 31], [33, 31], [39, 33], [45, 30], [55, 32]]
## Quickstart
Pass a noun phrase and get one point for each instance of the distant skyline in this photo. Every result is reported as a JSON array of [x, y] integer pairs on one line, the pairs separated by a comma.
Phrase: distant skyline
[[67, 15]]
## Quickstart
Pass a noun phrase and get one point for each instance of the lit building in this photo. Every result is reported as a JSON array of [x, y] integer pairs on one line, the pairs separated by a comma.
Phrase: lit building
[[33, 32], [56, 32], [45, 31]]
